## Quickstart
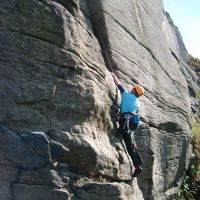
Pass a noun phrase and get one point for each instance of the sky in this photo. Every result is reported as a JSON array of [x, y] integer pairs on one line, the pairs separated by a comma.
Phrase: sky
[[186, 16]]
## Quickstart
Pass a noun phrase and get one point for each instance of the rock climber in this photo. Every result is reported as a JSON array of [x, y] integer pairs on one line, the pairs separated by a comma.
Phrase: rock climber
[[129, 120]]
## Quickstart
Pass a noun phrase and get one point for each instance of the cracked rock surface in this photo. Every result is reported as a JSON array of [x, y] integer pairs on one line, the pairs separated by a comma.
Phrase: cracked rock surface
[[58, 102]]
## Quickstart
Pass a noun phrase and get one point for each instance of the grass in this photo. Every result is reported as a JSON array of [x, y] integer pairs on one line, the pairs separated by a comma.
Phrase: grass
[[198, 94], [190, 189]]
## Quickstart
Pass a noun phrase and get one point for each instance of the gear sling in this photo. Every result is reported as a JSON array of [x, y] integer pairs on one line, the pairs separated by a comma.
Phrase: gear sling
[[128, 123]]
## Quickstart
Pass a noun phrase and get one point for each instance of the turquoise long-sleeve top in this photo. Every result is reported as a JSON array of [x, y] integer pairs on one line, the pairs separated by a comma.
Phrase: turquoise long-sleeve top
[[129, 101]]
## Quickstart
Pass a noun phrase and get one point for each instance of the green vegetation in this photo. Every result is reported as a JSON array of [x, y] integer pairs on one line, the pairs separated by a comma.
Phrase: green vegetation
[[191, 185], [198, 94], [195, 62]]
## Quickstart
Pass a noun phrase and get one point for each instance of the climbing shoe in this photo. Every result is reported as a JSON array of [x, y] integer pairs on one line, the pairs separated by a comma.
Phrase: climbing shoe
[[138, 170]]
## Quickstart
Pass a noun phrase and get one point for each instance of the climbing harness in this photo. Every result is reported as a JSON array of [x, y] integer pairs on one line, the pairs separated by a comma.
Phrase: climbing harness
[[129, 121]]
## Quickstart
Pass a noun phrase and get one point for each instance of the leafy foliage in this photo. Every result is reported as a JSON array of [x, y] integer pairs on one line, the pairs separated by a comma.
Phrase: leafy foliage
[[195, 63], [191, 185], [198, 94]]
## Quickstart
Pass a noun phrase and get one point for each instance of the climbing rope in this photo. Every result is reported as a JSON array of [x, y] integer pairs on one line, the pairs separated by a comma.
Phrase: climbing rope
[[106, 53], [110, 65]]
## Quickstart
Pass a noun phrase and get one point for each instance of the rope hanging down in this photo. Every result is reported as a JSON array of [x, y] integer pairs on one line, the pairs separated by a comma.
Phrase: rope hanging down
[[104, 49], [110, 65]]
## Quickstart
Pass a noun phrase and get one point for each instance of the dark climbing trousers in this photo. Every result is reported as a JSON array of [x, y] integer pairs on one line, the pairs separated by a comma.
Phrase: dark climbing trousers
[[128, 137]]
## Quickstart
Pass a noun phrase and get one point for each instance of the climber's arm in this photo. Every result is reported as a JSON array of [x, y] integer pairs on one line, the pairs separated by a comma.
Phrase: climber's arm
[[121, 89], [116, 80], [117, 83]]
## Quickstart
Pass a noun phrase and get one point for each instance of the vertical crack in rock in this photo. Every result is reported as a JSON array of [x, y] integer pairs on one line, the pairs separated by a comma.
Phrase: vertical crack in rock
[[100, 33], [14, 182], [174, 55]]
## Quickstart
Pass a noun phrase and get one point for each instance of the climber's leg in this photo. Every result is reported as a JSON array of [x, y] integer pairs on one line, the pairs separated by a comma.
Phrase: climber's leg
[[131, 148], [128, 137]]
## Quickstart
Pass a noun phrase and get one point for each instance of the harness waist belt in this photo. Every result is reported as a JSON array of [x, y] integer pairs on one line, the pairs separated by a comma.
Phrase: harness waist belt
[[127, 113]]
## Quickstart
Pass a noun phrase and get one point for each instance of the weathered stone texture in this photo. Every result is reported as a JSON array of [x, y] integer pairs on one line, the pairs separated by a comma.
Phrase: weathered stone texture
[[58, 102]]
